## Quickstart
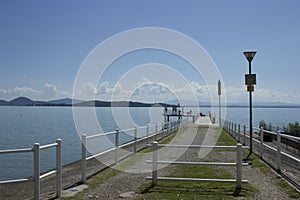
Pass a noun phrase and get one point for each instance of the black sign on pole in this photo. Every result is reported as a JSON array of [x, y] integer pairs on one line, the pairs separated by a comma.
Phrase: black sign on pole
[[250, 79]]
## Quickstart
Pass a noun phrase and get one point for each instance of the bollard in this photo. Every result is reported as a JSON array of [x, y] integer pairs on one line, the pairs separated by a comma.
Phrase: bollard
[[239, 166], [154, 163], [58, 168], [36, 151], [83, 158]]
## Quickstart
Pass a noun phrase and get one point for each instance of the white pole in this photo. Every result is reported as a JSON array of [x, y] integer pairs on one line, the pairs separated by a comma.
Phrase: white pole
[[154, 163], [239, 166], [278, 152], [83, 158], [36, 150], [135, 140], [235, 130], [219, 93], [244, 134], [155, 131], [147, 134], [261, 142], [239, 132], [58, 168], [117, 147]]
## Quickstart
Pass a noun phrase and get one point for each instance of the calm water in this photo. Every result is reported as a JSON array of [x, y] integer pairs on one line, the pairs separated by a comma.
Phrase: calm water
[[21, 127]]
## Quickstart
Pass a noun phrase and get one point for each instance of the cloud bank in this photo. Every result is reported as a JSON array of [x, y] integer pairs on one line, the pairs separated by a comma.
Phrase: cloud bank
[[147, 91]]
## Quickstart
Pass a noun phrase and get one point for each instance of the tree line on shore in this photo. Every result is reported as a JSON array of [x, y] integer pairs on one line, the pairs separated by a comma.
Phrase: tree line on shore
[[290, 129]]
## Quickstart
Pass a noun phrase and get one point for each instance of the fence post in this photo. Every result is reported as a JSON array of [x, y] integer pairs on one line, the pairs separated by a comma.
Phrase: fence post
[[117, 146], [244, 134], [163, 130], [234, 130], [155, 132], [278, 152], [135, 140], [36, 151], [261, 134], [58, 168], [147, 134], [239, 166], [239, 132], [154, 163], [83, 158]]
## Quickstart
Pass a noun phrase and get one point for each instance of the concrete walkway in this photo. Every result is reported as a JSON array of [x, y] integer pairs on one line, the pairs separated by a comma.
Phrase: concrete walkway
[[133, 175]]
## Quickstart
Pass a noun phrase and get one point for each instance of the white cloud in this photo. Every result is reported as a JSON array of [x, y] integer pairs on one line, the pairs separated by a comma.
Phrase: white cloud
[[148, 91], [49, 91], [19, 91]]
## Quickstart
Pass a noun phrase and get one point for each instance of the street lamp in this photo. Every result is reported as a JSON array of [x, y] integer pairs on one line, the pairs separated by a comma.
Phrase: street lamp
[[250, 81]]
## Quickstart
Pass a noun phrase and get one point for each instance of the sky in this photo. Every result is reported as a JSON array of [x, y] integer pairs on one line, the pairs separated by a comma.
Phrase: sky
[[44, 44]]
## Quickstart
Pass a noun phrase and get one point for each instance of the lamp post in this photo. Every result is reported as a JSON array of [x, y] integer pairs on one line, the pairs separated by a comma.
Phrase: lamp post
[[250, 81]]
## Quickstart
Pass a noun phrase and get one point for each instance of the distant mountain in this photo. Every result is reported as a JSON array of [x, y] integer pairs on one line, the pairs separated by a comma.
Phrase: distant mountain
[[2, 102], [24, 101], [97, 103], [66, 101]]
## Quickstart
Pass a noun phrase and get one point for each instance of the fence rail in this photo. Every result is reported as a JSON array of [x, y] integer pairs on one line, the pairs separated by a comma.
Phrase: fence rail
[[166, 129], [264, 149], [36, 167], [239, 163]]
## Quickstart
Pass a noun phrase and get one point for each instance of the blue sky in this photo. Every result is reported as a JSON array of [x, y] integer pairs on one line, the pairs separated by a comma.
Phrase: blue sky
[[43, 44]]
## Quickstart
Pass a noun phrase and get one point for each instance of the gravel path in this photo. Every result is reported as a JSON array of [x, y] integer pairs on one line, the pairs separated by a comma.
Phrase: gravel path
[[123, 185]]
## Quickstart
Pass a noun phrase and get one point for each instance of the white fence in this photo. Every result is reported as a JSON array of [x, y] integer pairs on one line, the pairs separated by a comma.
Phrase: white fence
[[239, 163], [261, 147], [158, 132], [36, 166]]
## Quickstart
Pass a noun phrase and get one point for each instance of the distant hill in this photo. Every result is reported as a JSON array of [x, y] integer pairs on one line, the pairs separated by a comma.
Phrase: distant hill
[[97, 103], [24, 101], [66, 101], [2, 102]]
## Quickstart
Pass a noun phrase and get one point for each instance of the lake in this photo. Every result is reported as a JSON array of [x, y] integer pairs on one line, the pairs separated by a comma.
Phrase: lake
[[21, 127]]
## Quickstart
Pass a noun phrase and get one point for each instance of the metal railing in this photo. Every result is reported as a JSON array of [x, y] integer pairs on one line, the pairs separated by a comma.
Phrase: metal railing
[[239, 163], [36, 167], [269, 152], [166, 130]]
